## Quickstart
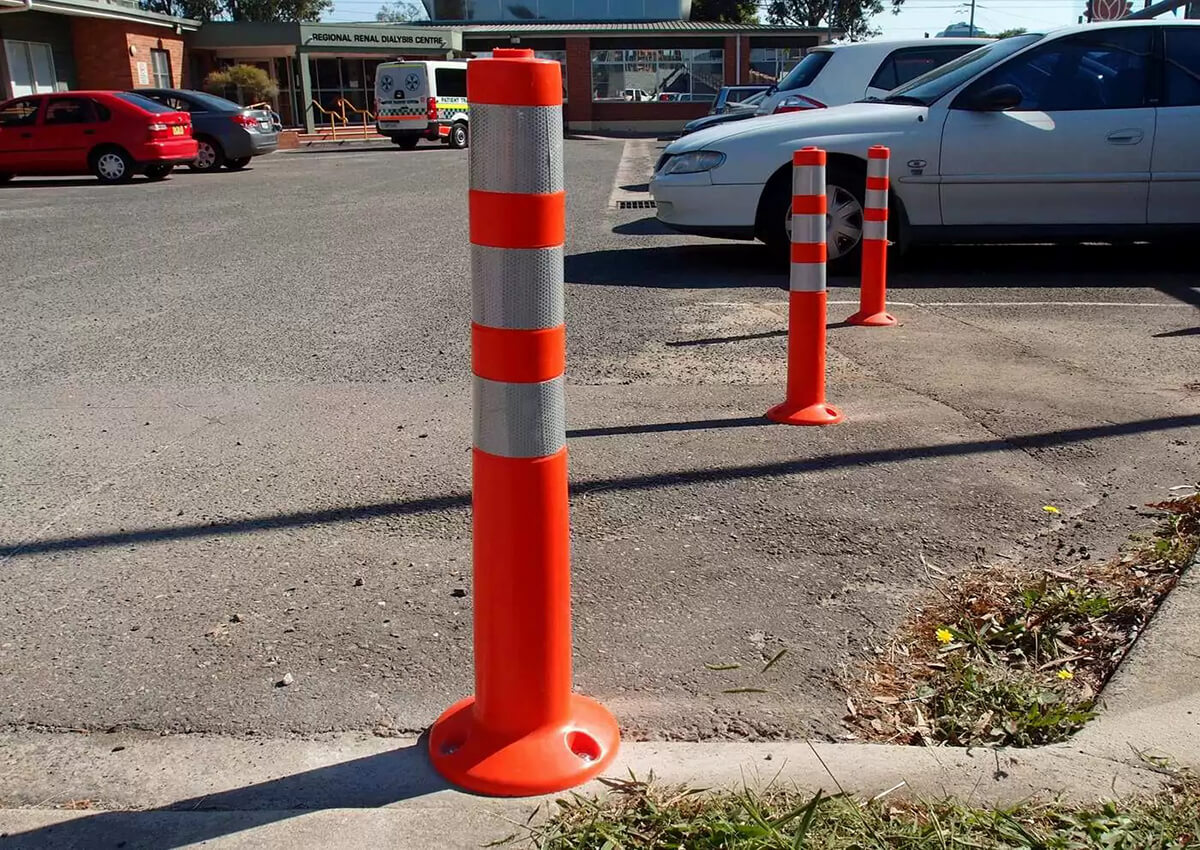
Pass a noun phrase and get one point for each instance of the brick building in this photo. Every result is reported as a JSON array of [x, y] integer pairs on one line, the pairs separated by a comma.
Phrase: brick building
[[55, 45]]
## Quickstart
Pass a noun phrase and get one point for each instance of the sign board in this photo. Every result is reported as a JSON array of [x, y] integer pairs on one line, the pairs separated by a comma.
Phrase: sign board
[[143, 74], [380, 37], [1110, 10]]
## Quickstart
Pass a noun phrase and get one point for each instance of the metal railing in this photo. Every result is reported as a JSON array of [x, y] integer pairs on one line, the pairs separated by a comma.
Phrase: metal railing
[[365, 113]]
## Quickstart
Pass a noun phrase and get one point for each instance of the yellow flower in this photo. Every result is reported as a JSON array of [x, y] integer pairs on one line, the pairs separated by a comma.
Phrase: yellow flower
[[1065, 674], [1050, 509], [944, 635]]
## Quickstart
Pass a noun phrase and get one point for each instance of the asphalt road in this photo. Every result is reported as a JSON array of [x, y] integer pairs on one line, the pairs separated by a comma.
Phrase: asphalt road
[[236, 423]]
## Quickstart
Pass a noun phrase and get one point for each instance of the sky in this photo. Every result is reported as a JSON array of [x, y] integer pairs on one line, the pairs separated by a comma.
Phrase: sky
[[916, 18]]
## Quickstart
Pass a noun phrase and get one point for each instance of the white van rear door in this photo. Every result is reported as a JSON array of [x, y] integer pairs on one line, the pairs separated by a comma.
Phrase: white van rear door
[[403, 94]]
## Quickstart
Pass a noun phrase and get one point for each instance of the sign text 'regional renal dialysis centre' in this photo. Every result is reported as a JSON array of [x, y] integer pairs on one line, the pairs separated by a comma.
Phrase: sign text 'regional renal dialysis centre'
[[335, 36]]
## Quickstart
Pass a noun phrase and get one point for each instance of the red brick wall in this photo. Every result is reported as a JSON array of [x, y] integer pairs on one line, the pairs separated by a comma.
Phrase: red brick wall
[[579, 79], [102, 57]]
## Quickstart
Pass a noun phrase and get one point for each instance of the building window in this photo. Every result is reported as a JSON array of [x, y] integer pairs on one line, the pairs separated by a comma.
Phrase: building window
[[160, 61], [768, 65], [645, 76], [30, 67]]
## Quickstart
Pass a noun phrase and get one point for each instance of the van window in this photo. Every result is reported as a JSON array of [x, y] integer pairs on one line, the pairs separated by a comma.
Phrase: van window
[[451, 82], [804, 73]]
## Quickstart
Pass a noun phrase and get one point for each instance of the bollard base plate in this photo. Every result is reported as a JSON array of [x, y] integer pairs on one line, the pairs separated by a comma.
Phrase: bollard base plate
[[882, 319], [543, 761], [813, 414]]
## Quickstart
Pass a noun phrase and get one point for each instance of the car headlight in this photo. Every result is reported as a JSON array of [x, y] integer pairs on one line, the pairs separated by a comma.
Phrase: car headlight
[[691, 163]]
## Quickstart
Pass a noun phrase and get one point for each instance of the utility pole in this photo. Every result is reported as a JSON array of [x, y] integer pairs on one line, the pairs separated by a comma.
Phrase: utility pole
[[971, 31]]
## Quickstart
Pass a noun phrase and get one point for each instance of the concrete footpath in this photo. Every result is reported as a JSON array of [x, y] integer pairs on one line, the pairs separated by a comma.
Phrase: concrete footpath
[[149, 791]]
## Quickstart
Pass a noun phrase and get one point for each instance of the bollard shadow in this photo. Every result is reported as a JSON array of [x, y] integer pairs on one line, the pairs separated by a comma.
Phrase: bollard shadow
[[723, 265], [364, 783], [667, 427], [631, 483], [1180, 332], [648, 226]]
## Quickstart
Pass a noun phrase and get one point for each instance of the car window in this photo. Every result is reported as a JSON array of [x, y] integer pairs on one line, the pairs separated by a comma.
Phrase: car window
[[204, 102], [931, 87], [1183, 67], [142, 102], [806, 70], [451, 82], [68, 110], [20, 113], [1105, 69], [102, 112], [911, 62]]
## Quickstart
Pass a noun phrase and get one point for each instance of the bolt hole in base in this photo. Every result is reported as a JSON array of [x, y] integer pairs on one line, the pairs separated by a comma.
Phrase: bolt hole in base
[[451, 747], [584, 745]]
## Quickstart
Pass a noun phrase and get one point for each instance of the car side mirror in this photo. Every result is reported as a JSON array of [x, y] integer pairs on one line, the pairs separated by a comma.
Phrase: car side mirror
[[997, 98]]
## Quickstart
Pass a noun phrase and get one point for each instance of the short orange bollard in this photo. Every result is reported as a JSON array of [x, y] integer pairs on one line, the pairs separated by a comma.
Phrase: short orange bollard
[[805, 404], [524, 732], [872, 299]]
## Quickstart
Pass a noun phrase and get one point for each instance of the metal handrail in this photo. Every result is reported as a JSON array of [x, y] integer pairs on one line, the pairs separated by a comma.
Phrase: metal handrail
[[333, 116], [365, 113]]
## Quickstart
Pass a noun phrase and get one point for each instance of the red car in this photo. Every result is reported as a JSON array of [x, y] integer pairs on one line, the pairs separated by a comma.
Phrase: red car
[[112, 135]]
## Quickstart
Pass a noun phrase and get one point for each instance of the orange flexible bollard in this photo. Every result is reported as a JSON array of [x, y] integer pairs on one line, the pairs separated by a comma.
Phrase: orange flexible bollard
[[805, 404], [524, 732], [872, 298]]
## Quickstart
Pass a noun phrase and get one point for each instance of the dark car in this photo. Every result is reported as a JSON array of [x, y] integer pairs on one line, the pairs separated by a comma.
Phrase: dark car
[[112, 135], [734, 112], [227, 134]]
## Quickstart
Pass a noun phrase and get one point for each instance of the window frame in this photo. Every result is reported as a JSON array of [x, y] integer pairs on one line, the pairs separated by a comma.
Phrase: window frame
[[156, 52], [1164, 41]]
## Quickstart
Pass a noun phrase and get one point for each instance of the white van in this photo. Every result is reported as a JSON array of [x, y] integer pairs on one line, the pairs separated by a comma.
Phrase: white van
[[422, 100]]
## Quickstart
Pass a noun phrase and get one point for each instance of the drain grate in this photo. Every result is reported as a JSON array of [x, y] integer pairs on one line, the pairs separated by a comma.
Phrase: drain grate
[[635, 205]]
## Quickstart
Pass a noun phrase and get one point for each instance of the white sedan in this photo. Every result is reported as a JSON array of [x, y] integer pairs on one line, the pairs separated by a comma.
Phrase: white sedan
[[1085, 133]]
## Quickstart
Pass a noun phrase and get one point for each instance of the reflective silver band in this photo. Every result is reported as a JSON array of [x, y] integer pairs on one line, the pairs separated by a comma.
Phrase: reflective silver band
[[807, 277], [808, 228], [519, 288], [876, 199], [874, 230], [516, 148], [808, 179], [519, 420], [875, 167]]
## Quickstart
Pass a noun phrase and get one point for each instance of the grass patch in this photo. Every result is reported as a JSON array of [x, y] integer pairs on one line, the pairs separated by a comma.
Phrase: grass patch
[[1016, 657], [639, 815]]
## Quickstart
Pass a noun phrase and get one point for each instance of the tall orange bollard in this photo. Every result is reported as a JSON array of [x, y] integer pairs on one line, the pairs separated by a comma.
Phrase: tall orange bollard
[[872, 299], [524, 732], [805, 404]]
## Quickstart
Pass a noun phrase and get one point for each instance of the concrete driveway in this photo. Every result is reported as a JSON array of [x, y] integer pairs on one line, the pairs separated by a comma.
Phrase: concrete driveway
[[237, 420]]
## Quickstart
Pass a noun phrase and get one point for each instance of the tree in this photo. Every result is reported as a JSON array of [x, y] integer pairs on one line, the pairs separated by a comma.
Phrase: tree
[[853, 17], [726, 11], [249, 82], [400, 11], [1011, 32], [241, 10]]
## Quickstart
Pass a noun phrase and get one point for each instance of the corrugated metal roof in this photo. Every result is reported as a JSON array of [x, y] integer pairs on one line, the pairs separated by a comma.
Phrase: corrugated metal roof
[[628, 27]]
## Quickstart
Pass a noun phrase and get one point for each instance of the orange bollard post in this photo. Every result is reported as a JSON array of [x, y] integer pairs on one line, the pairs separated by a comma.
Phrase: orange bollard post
[[524, 732], [872, 299], [805, 404]]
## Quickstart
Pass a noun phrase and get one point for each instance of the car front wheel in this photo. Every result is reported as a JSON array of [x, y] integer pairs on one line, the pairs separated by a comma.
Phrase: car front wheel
[[112, 165], [209, 156], [844, 191]]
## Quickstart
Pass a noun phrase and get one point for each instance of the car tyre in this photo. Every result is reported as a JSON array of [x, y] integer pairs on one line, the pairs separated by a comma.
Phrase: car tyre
[[237, 164], [159, 172], [406, 143], [845, 188], [112, 165], [209, 156], [6, 176], [458, 136]]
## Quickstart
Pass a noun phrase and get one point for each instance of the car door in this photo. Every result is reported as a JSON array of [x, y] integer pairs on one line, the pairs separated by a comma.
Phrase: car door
[[18, 125], [67, 133], [908, 63], [1175, 166], [1075, 149]]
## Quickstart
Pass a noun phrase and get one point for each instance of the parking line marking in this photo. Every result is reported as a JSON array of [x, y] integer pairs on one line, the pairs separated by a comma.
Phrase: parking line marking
[[635, 169]]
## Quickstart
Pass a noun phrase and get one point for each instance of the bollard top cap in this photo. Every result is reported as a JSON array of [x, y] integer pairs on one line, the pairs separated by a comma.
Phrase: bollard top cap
[[808, 156], [513, 77], [878, 152]]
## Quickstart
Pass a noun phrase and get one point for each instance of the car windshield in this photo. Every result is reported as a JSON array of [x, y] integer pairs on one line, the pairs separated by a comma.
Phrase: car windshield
[[805, 72], [926, 89], [145, 103]]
